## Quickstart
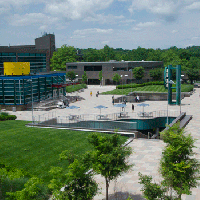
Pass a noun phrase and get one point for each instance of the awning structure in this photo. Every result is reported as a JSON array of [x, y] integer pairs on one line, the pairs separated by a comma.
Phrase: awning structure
[[63, 85]]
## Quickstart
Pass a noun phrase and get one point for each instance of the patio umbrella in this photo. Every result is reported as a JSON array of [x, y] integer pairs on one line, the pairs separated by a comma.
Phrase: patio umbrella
[[100, 107], [144, 105], [72, 107], [120, 105]]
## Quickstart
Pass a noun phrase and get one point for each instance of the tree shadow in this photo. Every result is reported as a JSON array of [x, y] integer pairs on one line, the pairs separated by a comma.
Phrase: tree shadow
[[125, 196]]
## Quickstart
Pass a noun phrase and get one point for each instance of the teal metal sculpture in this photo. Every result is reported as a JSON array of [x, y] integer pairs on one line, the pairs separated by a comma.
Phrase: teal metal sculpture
[[167, 78]]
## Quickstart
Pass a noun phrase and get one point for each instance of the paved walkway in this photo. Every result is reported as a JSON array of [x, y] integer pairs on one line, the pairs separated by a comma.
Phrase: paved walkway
[[147, 153]]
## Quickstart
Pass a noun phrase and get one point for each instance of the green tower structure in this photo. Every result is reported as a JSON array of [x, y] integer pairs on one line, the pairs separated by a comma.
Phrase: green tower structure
[[168, 78]]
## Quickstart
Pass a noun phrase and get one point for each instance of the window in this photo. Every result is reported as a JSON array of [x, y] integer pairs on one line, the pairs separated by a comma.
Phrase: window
[[119, 69], [93, 68], [72, 67]]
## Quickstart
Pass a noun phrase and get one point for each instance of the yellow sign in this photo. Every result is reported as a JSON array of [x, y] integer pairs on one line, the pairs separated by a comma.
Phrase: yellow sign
[[16, 68]]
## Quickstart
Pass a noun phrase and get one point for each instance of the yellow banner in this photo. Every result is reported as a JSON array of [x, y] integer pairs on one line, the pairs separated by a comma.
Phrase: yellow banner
[[16, 68]]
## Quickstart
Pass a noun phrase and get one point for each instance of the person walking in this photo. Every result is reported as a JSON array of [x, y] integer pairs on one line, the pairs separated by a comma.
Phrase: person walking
[[90, 93], [132, 107]]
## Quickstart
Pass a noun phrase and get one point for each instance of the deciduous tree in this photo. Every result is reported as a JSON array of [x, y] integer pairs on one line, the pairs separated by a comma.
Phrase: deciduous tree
[[178, 167], [109, 157], [116, 77], [62, 56], [71, 75], [156, 74], [84, 78], [138, 72], [193, 74]]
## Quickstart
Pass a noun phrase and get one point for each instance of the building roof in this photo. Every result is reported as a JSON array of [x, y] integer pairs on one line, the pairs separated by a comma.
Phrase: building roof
[[112, 61]]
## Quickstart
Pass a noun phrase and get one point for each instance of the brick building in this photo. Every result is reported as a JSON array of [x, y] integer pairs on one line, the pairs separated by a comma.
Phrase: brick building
[[123, 68]]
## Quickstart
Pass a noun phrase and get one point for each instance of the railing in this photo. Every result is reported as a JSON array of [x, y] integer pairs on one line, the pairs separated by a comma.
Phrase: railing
[[106, 121]]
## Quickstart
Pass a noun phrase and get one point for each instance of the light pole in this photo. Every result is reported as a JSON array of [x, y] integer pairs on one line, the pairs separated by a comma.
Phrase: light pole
[[130, 70], [169, 82], [180, 94], [31, 81]]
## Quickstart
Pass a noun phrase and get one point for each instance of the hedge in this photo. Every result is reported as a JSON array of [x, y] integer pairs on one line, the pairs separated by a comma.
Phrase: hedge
[[140, 85], [5, 116]]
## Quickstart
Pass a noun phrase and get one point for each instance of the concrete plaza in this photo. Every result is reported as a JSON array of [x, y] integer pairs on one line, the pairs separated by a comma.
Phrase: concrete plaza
[[146, 153]]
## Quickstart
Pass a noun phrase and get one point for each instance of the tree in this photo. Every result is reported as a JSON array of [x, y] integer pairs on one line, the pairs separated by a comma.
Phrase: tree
[[116, 77], [156, 74], [178, 168], [71, 75], [193, 74], [77, 183], [107, 53], [84, 77], [109, 157], [33, 190], [169, 57], [62, 56], [151, 190], [100, 76], [138, 72]]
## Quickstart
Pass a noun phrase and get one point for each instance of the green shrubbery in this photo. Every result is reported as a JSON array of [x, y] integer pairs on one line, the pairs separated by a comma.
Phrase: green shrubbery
[[73, 88], [5, 116], [140, 85]]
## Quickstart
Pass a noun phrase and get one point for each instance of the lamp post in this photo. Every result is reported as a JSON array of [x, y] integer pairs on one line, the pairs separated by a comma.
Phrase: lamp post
[[169, 82], [122, 86], [31, 81], [130, 70]]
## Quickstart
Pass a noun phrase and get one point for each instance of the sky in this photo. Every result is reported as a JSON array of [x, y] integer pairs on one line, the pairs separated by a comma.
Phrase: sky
[[86, 24]]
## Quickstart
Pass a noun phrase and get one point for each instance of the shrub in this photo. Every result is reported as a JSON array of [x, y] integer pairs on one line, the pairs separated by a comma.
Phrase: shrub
[[140, 85], [6, 116]]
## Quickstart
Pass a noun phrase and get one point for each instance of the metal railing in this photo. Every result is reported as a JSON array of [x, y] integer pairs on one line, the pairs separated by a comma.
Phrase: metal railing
[[95, 121]]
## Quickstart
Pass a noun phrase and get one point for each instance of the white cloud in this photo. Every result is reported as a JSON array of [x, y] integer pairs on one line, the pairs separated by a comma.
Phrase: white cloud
[[147, 24], [76, 9], [193, 6], [105, 42], [195, 38], [32, 19], [174, 31], [168, 9], [92, 31], [104, 19]]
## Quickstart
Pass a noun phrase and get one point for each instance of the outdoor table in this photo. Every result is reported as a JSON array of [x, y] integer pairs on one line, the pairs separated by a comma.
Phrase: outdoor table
[[123, 114], [73, 117], [145, 114], [101, 117]]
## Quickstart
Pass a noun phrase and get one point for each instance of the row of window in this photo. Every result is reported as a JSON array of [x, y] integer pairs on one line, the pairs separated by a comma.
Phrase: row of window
[[99, 68], [23, 54]]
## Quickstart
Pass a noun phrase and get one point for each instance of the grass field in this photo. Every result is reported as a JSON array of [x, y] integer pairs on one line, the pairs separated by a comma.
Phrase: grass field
[[149, 88], [35, 150]]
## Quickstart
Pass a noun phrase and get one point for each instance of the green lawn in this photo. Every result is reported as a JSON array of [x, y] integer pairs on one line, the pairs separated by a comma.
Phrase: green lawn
[[35, 150], [149, 88], [73, 88]]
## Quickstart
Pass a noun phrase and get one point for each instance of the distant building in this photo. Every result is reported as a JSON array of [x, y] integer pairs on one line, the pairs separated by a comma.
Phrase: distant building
[[38, 55], [39, 84], [123, 68]]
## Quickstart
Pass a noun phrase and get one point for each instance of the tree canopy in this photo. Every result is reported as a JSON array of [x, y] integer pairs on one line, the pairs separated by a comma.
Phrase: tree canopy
[[138, 72], [62, 56]]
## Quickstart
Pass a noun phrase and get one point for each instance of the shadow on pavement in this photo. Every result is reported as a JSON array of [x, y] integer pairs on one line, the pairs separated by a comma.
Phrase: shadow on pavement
[[125, 196]]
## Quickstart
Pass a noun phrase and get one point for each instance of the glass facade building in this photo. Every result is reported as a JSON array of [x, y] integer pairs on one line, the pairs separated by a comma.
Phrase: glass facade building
[[37, 61], [18, 90]]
